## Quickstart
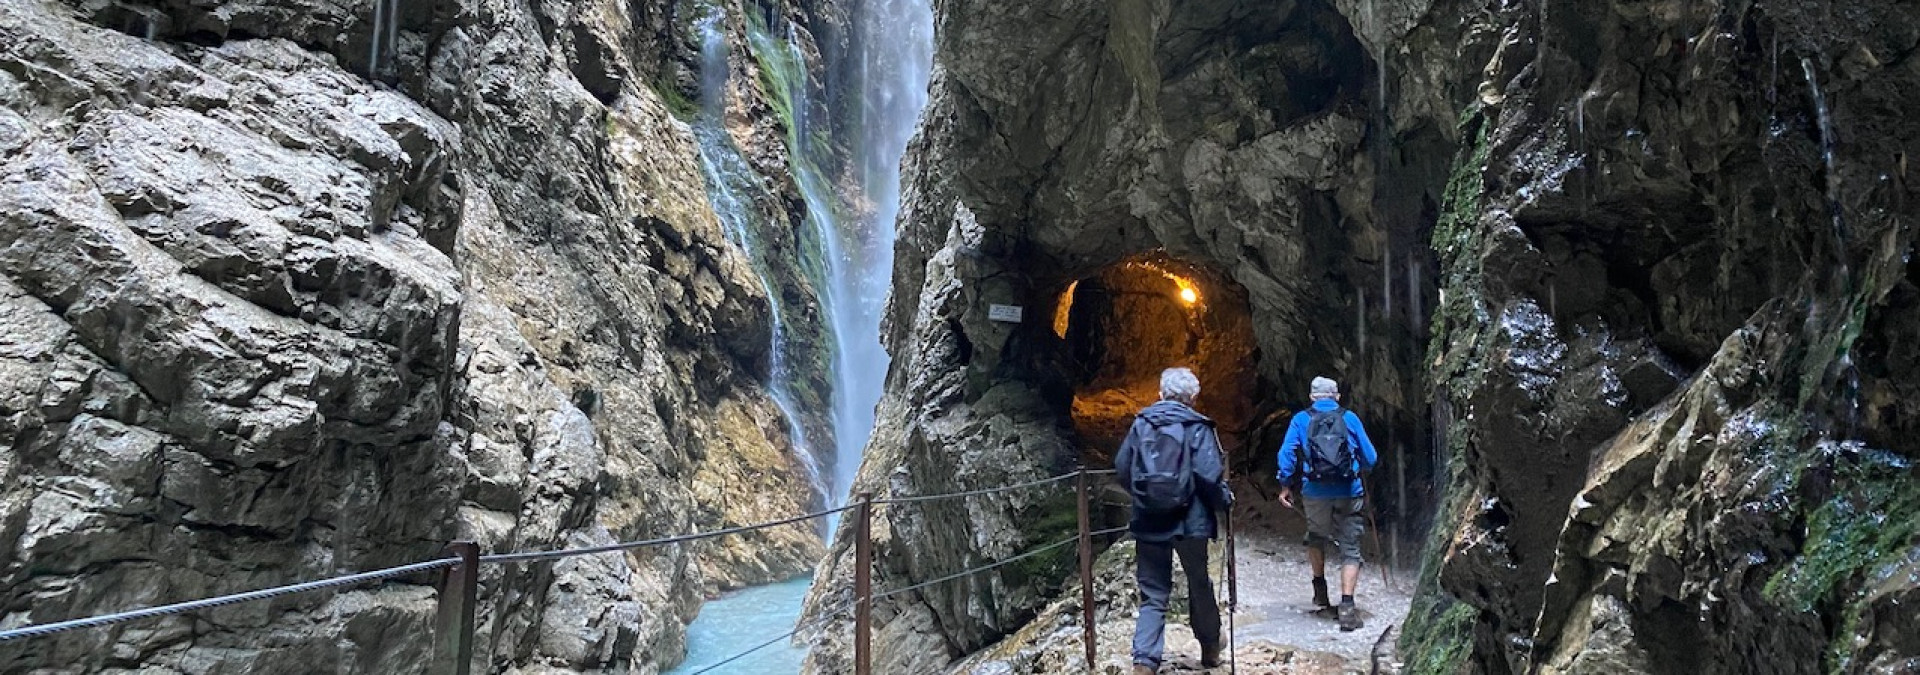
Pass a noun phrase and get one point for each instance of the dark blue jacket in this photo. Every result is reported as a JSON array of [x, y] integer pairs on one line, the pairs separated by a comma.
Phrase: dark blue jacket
[[1291, 454], [1210, 491]]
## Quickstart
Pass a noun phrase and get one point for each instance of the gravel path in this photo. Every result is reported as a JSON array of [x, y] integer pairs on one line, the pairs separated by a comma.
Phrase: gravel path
[[1276, 595], [1275, 632]]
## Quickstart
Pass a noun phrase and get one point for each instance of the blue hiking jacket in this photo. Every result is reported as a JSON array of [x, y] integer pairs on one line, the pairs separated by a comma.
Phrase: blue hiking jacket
[[1293, 448]]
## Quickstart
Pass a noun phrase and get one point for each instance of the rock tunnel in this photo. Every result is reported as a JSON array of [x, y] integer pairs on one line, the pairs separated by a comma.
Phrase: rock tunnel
[[1109, 331], [1129, 321]]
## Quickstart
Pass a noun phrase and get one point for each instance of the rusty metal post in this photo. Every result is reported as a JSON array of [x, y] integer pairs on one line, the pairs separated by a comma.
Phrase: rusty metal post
[[1088, 634], [459, 590], [863, 586]]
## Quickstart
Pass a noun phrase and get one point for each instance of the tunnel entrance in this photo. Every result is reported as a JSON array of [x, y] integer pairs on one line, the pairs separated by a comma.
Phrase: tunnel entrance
[[1127, 322]]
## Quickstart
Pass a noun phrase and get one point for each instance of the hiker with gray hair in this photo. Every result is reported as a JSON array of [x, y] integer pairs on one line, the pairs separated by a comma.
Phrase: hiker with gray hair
[[1170, 464], [1328, 448]]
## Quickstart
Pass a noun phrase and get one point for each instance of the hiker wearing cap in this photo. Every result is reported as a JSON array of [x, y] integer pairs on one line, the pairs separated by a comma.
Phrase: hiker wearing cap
[[1328, 448], [1170, 465]]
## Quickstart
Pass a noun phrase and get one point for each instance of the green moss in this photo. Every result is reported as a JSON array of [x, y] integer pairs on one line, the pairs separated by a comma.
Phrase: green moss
[[1438, 634], [1053, 520], [1871, 520], [676, 100], [1869, 523], [1437, 637], [1444, 642], [781, 75], [1460, 319]]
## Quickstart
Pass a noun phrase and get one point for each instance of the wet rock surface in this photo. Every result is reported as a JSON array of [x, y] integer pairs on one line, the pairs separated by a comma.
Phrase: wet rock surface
[[1672, 237], [291, 293], [1271, 579], [1060, 141], [1666, 366]]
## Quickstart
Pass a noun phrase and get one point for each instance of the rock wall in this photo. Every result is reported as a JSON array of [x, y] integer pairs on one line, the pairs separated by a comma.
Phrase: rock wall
[[1676, 244], [1665, 247], [292, 293], [1062, 139]]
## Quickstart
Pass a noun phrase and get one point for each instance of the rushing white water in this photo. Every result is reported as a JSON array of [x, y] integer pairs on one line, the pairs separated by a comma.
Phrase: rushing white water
[[895, 62], [731, 185], [855, 232]]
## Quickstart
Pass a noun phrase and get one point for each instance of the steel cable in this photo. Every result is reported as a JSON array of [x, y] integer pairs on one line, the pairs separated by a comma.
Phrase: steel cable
[[977, 570], [973, 493], [787, 636], [208, 603], [532, 556]]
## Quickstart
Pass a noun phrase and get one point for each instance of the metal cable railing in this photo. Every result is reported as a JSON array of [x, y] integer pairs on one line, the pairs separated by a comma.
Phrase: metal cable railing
[[975, 493], [458, 594], [221, 601], [976, 570], [531, 556], [815, 623], [828, 614]]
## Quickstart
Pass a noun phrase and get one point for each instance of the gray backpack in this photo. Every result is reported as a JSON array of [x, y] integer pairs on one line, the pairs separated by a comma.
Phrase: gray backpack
[[1163, 473]]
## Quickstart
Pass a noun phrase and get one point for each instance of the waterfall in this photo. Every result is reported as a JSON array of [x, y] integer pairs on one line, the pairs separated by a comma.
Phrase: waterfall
[[855, 232], [894, 52], [732, 185], [386, 26], [849, 250], [1825, 120]]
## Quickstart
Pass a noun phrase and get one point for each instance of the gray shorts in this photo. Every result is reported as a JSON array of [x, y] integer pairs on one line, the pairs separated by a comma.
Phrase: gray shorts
[[1337, 522]]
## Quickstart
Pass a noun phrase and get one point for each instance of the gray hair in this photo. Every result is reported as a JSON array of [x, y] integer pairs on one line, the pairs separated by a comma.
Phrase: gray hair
[[1325, 388], [1179, 384]]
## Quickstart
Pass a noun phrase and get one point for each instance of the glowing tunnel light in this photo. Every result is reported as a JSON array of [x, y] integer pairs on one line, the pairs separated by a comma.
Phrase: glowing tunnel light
[[1188, 293], [1064, 310]]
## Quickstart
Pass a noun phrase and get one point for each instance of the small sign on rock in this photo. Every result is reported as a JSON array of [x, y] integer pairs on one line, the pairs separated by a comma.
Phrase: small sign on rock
[[1007, 313]]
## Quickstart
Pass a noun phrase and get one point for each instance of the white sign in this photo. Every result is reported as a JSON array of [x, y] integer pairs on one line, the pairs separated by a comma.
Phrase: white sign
[[1007, 313]]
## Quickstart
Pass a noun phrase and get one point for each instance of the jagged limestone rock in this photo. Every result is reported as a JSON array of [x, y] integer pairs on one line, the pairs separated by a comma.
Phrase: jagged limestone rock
[[268, 320], [1661, 296], [1062, 139]]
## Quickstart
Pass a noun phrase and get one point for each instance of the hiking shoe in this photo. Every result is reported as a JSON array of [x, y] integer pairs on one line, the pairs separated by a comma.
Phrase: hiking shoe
[[1209, 656], [1320, 593], [1139, 669], [1349, 617]]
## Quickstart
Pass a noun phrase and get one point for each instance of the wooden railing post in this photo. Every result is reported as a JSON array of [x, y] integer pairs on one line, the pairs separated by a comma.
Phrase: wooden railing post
[[1089, 634], [459, 589], [863, 586]]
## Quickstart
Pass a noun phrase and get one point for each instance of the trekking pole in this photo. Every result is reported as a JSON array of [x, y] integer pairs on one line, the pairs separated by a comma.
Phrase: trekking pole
[[1233, 595], [1366, 497], [1233, 579]]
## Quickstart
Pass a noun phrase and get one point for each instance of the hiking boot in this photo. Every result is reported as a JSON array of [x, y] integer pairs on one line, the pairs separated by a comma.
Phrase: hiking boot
[[1142, 670], [1349, 617], [1320, 593], [1209, 656]]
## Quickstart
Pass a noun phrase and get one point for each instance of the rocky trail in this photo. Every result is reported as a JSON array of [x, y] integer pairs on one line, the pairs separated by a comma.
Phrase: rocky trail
[[1275, 632], [1276, 600]]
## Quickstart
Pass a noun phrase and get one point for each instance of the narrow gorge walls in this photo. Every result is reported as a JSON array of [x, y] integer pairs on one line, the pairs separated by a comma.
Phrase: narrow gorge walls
[[1624, 283], [1227, 142], [1676, 245], [296, 290]]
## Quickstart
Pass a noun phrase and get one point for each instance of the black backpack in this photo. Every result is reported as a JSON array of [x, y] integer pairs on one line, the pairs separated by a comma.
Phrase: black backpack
[[1329, 451], [1162, 472]]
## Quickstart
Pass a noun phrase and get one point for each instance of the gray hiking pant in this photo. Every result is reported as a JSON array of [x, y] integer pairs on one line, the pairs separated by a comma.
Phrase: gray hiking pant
[[1154, 574], [1334, 526]]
